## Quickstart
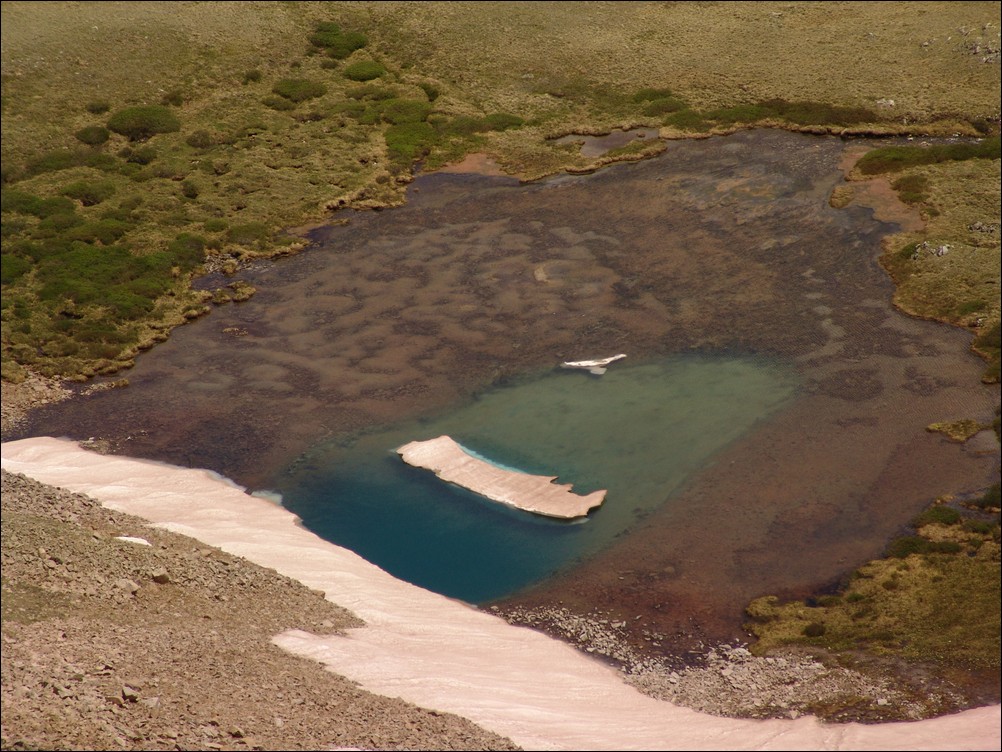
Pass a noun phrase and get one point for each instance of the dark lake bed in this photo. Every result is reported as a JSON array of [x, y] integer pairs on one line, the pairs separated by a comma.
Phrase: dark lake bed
[[718, 252]]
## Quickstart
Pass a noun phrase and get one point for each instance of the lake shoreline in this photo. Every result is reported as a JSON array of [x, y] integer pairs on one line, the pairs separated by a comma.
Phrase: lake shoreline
[[139, 487]]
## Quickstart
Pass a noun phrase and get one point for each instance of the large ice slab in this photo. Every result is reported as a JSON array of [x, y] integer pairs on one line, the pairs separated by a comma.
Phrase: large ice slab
[[533, 493]]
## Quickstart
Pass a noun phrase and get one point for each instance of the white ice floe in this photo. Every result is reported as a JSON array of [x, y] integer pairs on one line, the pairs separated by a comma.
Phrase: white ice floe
[[597, 367]]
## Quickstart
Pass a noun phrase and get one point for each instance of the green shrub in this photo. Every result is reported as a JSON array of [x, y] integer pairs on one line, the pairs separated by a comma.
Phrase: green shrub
[[742, 113], [278, 103], [143, 122], [939, 514], [397, 111], [54, 161], [431, 91], [61, 222], [89, 193], [187, 250], [200, 140], [409, 141], [174, 97], [98, 107], [688, 120], [141, 156], [648, 95], [12, 268], [92, 135], [814, 629], [364, 70], [818, 113], [189, 189], [215, 225], [337, 43], [103, 231], [907, 545], [895, 158], [502, 121], [103, 162], [912, 189], [664, 106], [371, 91], [299, 89], [992, 498], [246, 234], [981, 527], [252, 76]]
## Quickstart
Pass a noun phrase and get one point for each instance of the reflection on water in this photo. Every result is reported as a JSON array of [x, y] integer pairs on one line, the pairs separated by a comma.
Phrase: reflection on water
[[637, 432], [723, 245]]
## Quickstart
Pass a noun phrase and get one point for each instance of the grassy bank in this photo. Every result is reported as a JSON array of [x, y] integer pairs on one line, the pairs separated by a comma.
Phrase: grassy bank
[[146, 142]]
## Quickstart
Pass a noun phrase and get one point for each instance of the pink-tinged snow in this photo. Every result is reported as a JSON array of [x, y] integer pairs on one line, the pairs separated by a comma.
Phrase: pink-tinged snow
[[442, 654]]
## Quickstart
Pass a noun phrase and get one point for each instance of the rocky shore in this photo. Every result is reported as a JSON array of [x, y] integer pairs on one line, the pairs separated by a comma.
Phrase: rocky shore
[[727, 680]]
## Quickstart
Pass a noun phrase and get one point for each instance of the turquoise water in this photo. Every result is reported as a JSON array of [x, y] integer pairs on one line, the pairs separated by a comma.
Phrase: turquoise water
[[638, 431]]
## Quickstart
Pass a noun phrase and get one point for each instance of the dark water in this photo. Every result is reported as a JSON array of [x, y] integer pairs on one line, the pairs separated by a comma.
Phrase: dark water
[[723, 248], [637, 432]]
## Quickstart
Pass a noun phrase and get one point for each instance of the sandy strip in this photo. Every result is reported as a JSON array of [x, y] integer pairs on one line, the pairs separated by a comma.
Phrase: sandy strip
[[442, 654]]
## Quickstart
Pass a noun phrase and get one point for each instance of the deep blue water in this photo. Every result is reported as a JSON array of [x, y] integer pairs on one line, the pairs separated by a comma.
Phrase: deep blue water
[[638, 431]]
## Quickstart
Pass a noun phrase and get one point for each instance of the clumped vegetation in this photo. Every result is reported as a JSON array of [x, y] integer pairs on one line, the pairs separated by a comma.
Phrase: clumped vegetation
[[337, 43], [935, 599], [364, 70], [141, 123], [897, 158], [299, 89]]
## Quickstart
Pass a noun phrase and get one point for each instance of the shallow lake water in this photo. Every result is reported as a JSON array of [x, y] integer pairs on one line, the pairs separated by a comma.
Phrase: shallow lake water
[[718, 255], [638, 431]]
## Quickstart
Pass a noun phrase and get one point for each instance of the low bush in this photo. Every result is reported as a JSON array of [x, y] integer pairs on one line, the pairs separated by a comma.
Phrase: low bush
[[98, 107], [200, 139], [502, 121], [688, 120], [12, 268], [103, 231], [664, 106], [371, 91], [337, 43], [742, 113], [92, 135], [648, 95], [299, 89], [143, 122], [992, 499], [141, 156], [409, 141], [187, 250], [431, 91], [814, 629], [818, 113], [364, 70], [174, 97], [939, 515], [246, 234], [251, 76], [89, 193], [278, 103], [896, 158], [397, 111]]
